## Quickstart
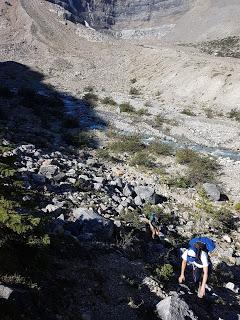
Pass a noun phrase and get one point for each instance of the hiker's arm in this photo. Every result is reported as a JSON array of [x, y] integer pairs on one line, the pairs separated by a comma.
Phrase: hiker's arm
[[182, 276], [204, 281]]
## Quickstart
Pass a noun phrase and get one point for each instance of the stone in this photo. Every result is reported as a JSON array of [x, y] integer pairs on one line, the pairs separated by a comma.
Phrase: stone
[[5, 292], [128, 190], [138, 201], [97, 186], [148, 194], [212, 191], [231, 286], [48, 170], [237, 261], [91, 224], [174, 308], [59, 177], [227, 238]]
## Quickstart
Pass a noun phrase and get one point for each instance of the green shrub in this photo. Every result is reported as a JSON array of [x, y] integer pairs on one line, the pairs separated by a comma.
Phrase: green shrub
[[164, 217], [126, 107], [142, 159], [142, 112], [237, 206], [222, 217], [185, 156], [179, 182], [209, 113], [90, 99], [109, 101], [159, 120], [160, 148], [165, 272], [234, 114], [128, 144], [131, 217], [104, 154], [188, 112], [134, 91]]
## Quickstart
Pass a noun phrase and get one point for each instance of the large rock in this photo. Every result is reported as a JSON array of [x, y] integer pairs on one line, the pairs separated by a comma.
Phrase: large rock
[[88, 224], [212, 191], [174, 308], [5, 292], [48, 170], [148, 194]]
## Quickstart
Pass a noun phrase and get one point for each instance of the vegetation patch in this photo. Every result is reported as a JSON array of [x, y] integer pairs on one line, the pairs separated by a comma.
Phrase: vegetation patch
[[201, 168], [134, 91], [234, 114], [188, 112], [127, 107], [130, 144], [142, 159], [160, 148], [109, 101], [91, 99]]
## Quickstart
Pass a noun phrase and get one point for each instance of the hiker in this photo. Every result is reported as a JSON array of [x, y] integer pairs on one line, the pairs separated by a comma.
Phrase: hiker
[[197, 257], [153, 223]]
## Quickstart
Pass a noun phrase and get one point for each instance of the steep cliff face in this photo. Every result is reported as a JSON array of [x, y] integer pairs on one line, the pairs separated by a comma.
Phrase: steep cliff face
[[120, 14]]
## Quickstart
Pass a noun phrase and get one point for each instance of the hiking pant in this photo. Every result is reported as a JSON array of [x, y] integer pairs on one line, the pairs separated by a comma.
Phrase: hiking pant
[[198, 274]]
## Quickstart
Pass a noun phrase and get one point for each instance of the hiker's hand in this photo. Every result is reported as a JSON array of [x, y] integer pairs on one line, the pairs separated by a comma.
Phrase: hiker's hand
[[201, 293], [181, 279]]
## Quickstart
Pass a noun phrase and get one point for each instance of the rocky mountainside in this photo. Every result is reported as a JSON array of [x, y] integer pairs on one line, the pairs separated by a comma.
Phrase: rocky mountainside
[[121, 14]]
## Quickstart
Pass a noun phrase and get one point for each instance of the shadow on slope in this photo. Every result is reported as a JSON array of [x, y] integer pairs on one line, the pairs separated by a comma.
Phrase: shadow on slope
[[34, 112]]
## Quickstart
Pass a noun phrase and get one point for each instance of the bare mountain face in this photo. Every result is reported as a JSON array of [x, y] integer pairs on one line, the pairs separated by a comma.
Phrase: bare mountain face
[[120, 14]]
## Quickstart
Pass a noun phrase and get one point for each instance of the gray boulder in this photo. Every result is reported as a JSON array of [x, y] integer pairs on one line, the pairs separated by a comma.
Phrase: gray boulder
[[174, 308], [5, 292], [212, 191], [91, 225], [128, 190], [48, 170], [148, 194]]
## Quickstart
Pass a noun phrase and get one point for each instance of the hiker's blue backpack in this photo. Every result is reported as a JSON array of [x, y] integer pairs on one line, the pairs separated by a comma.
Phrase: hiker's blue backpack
[[209, 243]]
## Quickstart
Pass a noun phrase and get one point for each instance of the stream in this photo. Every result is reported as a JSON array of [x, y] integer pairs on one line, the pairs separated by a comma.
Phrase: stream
[[77, 107]]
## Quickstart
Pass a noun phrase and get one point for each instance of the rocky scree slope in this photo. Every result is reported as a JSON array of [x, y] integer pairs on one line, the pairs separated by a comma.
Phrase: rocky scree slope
[[72, 244]]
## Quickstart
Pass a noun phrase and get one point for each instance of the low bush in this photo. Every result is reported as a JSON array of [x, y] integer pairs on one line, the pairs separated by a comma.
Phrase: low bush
[[109, 101], [142, 159], [160, 148], [90, 99], [237, 206], [133, 80], [142, 112], [128, 144], [134, 91], [234, 114], [188, 112], [179, 182], [126, 107], [201, 168], [159, 120], [165, 272], [131, 217], [209, 113], [104, 154], [185, 156]]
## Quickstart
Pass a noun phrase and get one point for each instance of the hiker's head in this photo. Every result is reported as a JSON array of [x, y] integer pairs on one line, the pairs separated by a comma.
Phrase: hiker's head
[[200, 246]]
